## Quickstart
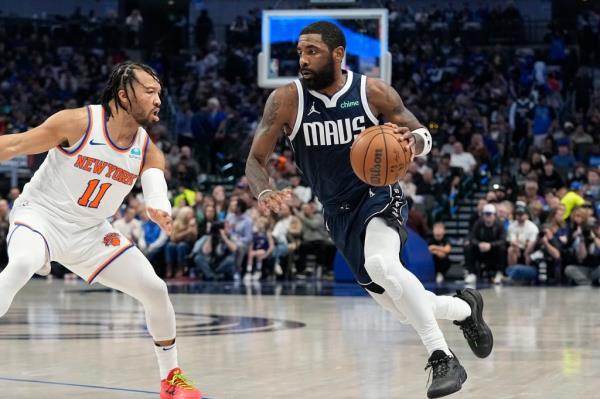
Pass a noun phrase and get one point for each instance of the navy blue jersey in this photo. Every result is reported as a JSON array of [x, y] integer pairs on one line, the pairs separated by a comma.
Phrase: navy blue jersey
[[323, 133]]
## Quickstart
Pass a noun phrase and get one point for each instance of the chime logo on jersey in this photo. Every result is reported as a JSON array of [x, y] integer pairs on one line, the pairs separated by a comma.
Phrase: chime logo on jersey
[[112, 239], [341, 131]]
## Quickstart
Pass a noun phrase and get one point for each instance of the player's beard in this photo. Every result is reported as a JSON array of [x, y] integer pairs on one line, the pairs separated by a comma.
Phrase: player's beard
[[141, 117], [323, 78]]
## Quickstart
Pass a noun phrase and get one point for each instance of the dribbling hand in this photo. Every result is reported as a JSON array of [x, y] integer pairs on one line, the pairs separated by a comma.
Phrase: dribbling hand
[[273, 200], [161, 218], [404, 136]]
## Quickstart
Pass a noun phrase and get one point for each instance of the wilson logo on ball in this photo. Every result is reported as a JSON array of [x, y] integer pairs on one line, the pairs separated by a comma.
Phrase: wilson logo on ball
[[377, 158]]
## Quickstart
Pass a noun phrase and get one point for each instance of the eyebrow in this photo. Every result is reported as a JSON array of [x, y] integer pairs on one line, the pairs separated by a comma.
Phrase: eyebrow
[[152, 88]]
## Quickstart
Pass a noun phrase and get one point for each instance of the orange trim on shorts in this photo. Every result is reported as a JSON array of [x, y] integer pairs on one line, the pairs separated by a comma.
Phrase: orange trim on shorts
[[109, 141], [107, 263], [84, 140]]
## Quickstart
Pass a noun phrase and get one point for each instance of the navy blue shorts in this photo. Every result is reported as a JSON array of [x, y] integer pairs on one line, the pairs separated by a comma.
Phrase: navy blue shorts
[[347, 221]]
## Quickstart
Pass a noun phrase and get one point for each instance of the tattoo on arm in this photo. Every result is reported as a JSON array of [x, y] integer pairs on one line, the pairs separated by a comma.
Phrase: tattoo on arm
[[262, 147]]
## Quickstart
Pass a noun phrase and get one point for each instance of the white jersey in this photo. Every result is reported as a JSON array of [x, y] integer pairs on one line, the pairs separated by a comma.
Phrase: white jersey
[[86, 183]]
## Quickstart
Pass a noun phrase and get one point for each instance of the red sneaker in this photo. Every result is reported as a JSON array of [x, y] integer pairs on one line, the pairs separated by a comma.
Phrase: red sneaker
[[177, 386]]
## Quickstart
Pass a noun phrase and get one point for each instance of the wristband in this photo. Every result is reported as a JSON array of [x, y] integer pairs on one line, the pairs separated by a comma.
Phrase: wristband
[[427, 140], [263, 192]]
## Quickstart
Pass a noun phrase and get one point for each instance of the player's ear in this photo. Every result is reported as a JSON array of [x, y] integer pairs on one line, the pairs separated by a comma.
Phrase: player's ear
[[123, 98], [338, 53]]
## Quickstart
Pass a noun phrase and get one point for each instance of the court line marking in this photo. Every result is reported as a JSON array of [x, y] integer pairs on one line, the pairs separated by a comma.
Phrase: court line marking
[[80, 385]]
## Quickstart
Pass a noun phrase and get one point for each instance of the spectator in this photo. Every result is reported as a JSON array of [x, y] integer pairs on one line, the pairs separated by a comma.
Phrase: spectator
[[532, 192], [520, 114], [134, 22], [593, 181], [130, 227], [204, 29], [261, 248], [522, 236], [185, 233], [153, 240], [440, 249], [587, 271], [13, 194], [550, 179], [303, 193], [315, 240], [210, 218], [280, 234], [544, 119], [573, 198], [564, 161], [462, 159], [215, 253], [543, 261], [486, 247], [241, 230]]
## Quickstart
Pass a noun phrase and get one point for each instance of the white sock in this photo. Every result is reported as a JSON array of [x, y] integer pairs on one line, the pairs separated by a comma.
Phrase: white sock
[[259, 265], [167, 359], [449, 307]]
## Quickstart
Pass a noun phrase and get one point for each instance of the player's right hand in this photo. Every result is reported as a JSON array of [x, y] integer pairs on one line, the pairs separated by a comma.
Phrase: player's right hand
[[161, 218], [273, 200]]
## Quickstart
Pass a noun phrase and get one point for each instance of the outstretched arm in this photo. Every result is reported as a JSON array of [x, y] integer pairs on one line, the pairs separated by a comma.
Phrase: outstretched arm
[[275, 121], [385, 100], [155, 189], [65, 127]]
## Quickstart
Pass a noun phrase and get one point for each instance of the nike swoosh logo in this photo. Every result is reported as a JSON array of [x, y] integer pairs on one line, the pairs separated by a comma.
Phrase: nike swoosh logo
[[92, 142]]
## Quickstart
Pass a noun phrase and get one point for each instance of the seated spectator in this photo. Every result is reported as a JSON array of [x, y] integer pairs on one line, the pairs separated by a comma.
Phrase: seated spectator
[[587, 249], [129, 226], [303, 193], [153, 240], [261, 248], [294, 242], [593, 181], [550, 179], [215, 253], [315, 240], [532, 192], [241, 228], [210, 217], [542, 263], [462, 159], [564, 161], [280, 233], [573, 198], [486, 247], [440, 249], [185, 233], [522, 236]]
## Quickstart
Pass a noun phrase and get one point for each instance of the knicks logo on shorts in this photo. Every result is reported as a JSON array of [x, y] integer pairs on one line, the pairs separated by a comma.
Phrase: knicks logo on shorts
[[112, 239]]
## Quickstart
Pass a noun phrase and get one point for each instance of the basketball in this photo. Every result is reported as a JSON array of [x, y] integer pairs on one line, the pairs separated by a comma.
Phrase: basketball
[[378, 158]]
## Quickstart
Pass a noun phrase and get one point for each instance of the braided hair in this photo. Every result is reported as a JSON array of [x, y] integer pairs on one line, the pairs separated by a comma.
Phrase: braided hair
[[122, 76]]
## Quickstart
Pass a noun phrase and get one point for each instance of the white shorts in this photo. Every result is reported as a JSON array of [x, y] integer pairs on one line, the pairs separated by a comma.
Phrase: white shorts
[[86, 252]]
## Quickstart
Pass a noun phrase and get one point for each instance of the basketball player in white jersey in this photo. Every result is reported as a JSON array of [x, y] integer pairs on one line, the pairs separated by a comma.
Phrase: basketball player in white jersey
[[95, 156], [320, 114]]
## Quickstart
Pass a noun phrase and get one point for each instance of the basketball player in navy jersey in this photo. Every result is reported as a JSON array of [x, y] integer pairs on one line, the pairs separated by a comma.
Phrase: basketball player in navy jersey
[[321, 114]]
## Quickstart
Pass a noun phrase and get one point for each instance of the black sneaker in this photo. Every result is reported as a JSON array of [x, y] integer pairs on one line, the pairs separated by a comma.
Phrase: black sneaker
[[448, 374], [476, 331]]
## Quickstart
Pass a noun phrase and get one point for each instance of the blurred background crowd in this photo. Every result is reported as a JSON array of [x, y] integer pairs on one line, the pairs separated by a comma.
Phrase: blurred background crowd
[[510, 193]]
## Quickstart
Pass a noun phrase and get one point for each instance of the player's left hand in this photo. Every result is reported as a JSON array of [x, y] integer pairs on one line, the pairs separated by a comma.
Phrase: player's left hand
[[404, 136], [161, 218]]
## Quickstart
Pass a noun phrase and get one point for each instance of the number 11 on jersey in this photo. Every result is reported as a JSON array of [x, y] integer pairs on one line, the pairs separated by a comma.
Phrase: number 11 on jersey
[[84, 200]]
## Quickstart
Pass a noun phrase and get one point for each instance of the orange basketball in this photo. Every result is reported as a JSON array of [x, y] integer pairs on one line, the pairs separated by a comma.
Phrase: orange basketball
[[378, 158]]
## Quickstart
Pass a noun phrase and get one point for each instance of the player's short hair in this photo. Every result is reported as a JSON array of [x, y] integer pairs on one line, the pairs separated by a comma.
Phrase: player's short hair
[[123, 75], [330, 33]]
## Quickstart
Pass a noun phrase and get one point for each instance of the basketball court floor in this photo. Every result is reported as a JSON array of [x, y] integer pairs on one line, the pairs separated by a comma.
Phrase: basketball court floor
[[64, 340]]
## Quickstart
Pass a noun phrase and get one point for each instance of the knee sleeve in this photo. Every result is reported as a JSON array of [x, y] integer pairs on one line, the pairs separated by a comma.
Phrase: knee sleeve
[[377, 267]]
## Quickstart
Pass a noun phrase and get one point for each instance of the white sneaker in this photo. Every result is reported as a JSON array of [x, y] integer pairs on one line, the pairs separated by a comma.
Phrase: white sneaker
[[256, 276], [471, 278], [498, 278], [278, 269], [439, 278]]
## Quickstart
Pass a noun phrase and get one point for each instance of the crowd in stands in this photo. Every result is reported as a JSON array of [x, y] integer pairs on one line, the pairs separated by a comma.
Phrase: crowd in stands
[[517, 123]]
